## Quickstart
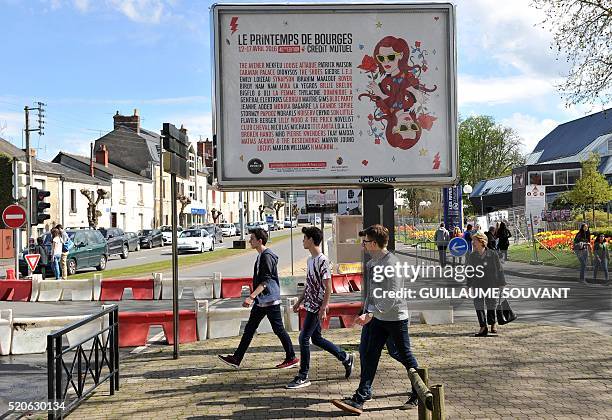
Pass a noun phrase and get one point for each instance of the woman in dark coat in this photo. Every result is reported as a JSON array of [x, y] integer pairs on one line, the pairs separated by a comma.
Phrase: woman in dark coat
[[493, 278], [582, 247], [503, 240]]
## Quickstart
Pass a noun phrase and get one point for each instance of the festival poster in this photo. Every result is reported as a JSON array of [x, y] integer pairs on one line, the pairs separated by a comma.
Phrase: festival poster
[[335, 95]]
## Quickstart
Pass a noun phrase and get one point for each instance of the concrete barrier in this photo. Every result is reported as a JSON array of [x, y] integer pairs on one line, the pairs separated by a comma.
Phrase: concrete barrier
[[6, 331], [203, 288], [55, 290], [29, 335]]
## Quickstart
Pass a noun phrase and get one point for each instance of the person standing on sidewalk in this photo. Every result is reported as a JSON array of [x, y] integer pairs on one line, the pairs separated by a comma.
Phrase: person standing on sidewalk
[[582, 247], [56, 251], [601, 257], [316, 298], [503, 236], [65, 249], [490, 234], [442, 237], [467, 235], [387, 318], [266, 299]]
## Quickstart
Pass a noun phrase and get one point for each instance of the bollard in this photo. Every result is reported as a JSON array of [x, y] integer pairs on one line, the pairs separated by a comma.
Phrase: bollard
[[439, 411], [417, 379]]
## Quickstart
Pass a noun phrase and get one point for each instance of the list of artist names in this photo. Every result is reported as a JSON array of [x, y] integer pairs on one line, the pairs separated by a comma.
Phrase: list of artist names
[[296, 106]]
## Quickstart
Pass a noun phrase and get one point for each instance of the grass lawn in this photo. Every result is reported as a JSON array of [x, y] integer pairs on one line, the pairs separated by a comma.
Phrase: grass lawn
[[166, 265], [524, 253]]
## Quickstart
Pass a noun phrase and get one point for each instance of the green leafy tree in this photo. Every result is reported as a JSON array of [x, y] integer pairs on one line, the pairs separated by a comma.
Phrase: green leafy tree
[[582, 33], [486, 149], [592, 188]]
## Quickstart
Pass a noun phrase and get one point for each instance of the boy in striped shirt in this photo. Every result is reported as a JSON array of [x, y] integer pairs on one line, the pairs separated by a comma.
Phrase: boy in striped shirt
[[315, 299]]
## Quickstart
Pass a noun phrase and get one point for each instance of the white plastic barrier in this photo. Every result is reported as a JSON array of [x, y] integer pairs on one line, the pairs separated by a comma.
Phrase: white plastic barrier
[[437, 316], [6, 330], [157, 285], [292, 320], [203, 288], [29, 335], [289, 285], [217, 285], [202, 319], [36, 279], [54, 290], [97, 286]]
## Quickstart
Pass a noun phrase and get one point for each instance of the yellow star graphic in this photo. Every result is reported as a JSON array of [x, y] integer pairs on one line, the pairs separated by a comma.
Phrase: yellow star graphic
[[378, 24], [423, 151]]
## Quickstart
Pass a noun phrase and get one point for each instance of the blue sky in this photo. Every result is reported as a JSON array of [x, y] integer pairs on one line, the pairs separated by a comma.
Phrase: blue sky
[[87, 59]]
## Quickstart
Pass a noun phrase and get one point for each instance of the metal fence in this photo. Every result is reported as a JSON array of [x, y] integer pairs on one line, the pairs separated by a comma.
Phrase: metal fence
[[95, 355]]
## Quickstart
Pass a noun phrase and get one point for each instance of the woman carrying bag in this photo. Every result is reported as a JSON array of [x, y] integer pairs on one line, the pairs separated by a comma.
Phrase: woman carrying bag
[[582, 246], [487, 309]]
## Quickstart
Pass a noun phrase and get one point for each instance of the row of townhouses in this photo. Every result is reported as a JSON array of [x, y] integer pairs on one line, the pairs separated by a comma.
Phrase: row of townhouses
[[124, 171]]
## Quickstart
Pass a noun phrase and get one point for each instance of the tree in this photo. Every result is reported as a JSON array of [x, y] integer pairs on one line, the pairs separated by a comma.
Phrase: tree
[[184, 201], [582, 30], [277, 206], [262, 210], [592, 188], [93, 214], [216, 214], [486, 149]]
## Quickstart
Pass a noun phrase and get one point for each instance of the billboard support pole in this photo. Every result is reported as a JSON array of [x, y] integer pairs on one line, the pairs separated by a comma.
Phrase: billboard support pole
[[322, 232], [378, 209]]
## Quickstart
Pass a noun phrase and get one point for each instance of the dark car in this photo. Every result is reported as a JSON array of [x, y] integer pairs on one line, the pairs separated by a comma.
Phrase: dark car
[[215, 232], [237, 228], [150, 238], [89, 250], [133, 241], [117, 241]]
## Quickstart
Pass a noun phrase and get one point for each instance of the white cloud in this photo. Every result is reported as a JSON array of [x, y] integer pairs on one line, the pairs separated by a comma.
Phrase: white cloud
[[82, 5], [499, 90], [11, 125], [143, 11], [179, 100], [197, 125], [529, 128]]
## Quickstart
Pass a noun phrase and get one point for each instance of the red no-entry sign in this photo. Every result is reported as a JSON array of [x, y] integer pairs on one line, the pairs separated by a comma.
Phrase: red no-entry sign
[[14, 216]]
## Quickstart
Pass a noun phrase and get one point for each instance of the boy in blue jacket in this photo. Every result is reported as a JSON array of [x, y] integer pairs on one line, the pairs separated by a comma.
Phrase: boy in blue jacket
[[267, 299]]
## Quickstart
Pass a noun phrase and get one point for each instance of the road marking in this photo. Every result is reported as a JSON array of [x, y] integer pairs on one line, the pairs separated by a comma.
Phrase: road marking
[[156, 338]]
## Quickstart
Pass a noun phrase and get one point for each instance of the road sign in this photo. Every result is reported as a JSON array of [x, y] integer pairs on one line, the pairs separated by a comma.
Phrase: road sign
[[458, 247], [14, 216], [269, 219], [32, 260]]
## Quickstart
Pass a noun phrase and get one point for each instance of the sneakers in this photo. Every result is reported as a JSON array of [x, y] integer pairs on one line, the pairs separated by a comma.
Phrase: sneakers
[[348, 365], [412, 402], [349, 405], [230, 360], [298, 382], [289, 364]]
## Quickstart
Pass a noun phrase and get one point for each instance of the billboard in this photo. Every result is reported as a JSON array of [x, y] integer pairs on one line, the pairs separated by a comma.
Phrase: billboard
[[334, 95], [349, 201], [321, 201], [453, 207], [535, 203]]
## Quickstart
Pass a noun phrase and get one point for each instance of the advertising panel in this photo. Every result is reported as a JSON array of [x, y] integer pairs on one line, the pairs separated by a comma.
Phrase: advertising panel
[[535, 203], [453, 207], [349, 202], [321, 201]]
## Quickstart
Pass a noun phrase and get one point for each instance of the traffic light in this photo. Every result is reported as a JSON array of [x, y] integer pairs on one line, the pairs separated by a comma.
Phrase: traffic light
[[20, 180], [39, 205]]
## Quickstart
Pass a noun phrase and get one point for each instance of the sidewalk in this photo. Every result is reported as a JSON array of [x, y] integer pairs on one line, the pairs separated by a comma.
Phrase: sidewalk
[[527, 372]]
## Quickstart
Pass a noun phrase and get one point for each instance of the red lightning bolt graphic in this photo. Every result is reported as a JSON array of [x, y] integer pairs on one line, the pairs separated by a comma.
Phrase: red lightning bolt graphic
[[436, 162], [234, 24]]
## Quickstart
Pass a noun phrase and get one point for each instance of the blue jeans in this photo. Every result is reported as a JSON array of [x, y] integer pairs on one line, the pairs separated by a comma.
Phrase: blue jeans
[[363, 344], [275, 317], [312, 329], [379, 333], [582, 255], [603, 264], [56, 267]]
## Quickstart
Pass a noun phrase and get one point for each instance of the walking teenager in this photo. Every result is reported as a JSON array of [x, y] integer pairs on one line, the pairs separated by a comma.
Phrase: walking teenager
[[601, 257], [316, 298], [266, 299], [387, 318]]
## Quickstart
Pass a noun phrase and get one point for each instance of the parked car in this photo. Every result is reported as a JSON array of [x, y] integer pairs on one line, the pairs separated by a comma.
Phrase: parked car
[[290, 222], [133, 241], [215, 232], [303, 218], [117, 241], [150, 238], [89, 250], [259, 224], [274, 225], [192, 240], [238, 230], [167, 233], [227, 229]]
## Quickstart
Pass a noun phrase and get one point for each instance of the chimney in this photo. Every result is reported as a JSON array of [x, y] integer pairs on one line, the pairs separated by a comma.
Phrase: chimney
[[91, 160], [102, 155], [128, 121], [183, 130]]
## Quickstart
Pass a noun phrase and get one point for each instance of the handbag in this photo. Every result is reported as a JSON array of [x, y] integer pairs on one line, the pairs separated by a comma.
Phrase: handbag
[[504, 313]]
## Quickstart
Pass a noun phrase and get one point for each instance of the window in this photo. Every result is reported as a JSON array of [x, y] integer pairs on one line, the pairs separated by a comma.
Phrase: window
[[122, 190], [214, 194], [140, 194], [192, 192], [573, 175], [73, 197], [141, 221], [224, 197], [200, 193], [561, 178], [547, 178], [610, 145], [535, 178], [163, 188]]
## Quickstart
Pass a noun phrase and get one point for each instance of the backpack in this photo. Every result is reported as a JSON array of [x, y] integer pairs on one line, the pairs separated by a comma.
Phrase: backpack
[[68, 245]]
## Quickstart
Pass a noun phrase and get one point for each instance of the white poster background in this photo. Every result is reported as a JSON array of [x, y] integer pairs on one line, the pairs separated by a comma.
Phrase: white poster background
[[432, 159], [535, 202]]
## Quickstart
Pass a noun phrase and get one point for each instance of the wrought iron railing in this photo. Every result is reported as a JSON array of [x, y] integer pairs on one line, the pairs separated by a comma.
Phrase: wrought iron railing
[[95, 357]]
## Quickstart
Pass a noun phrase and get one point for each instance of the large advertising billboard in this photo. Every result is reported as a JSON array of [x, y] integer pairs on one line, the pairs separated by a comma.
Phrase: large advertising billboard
[[334, 95]]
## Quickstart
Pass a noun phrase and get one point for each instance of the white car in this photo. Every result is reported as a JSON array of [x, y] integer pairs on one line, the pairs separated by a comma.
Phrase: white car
[[195, 240], [167, 233], [255, 225], [290, 223], [227, 229]]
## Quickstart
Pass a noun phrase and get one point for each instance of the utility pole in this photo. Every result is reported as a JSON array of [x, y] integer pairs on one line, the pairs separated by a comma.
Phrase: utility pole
[[41, 113], [161, 182]]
